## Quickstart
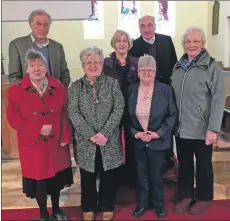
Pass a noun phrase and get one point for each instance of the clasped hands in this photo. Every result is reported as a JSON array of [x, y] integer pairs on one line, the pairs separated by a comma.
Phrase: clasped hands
[[99, 139], [147, 136], [45, 131]]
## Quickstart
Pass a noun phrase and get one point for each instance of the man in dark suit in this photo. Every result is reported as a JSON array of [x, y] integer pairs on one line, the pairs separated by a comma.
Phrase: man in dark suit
[[162, 49], [53, 51]]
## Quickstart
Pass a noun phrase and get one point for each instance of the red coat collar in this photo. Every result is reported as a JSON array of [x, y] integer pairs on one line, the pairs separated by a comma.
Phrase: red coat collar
[[52, 82]]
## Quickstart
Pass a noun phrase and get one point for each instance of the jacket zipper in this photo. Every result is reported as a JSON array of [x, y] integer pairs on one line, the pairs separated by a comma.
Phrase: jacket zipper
[[201, 114], [181, 94]]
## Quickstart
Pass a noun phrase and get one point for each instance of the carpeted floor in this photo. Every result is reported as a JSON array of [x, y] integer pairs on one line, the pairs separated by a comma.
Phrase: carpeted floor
[[218, 210]]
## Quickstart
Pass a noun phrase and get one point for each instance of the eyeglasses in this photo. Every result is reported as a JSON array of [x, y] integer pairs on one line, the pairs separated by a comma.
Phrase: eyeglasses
[[149, 26], [92, 64], [124, 41], [195, 42], [148, 70]]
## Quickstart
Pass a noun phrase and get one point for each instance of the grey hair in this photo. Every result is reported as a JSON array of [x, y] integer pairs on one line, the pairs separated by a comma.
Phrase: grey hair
[[146, 61], [190, 29], [38, 12], [87, 52], [32, 55], [152, 17], [117, 34]]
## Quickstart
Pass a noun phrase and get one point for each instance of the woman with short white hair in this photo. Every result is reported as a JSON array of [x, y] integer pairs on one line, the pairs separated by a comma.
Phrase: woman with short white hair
[[122, 66], [37, 110], [199, 90], [96, 106], [153, 116]]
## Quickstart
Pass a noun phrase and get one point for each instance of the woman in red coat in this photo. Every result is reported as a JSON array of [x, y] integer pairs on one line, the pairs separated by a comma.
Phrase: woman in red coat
[[37, 110]]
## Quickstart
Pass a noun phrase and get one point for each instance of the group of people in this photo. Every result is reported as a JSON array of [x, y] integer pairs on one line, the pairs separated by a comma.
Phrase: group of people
[[140, 89]]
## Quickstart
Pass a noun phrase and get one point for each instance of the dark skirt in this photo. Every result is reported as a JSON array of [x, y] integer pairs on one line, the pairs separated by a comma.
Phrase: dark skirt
[[61, 179]]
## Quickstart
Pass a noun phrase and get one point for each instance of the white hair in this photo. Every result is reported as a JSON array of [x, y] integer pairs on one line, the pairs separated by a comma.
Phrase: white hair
[[146, 61], [191, 29], [87, 52], [152, 17]]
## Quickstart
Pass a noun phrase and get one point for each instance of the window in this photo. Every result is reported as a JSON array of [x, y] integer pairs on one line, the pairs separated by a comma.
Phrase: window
[[94, 27], [128, 15], [165, 17]]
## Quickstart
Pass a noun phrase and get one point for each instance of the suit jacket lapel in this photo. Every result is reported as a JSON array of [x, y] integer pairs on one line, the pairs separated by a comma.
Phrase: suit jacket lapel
[[157, 42], [155, 100], [52, 58], [133, 104], [27, 44]]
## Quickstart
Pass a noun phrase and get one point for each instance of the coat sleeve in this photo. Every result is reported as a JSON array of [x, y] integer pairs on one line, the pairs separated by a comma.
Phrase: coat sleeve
[[15, 68], [218, 98], [80, 125], [66, 127], [170, 120], [117, 112], [133, 130], [15, 119], [65, 75]]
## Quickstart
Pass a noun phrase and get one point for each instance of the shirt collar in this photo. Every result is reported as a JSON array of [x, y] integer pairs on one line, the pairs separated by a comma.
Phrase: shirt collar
[[150, 41], [40, 45]]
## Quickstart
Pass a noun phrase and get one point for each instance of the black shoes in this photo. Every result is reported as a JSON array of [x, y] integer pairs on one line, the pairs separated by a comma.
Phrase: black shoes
[[60, 216], [44, 217], [161, 212], [138, 211]]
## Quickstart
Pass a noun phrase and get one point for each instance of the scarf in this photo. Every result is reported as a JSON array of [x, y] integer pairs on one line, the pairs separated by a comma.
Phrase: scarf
[[42, 88], [94, 91], [186, 64]]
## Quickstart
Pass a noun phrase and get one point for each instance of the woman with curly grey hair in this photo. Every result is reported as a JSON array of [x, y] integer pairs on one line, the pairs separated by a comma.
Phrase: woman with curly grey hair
[[96, 106], [153, 115]]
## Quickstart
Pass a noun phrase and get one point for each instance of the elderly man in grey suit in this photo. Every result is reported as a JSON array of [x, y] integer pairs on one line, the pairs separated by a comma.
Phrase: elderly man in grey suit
[[53, 51]]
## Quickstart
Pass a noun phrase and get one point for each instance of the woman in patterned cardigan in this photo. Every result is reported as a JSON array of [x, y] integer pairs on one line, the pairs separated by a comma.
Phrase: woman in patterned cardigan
[[96, 106]]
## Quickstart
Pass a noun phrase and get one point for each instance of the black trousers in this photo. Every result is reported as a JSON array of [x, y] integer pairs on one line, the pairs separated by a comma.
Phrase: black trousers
[[149, 177], [107, 188], [186, 148], [128, 173], [169, 154]]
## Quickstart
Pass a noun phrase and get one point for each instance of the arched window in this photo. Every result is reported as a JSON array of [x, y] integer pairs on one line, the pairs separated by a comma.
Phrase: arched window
[[94, 27], [128, 15], [165, 17]]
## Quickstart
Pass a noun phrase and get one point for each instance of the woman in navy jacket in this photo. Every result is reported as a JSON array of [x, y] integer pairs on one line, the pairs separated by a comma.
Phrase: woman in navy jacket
[[153, 115]]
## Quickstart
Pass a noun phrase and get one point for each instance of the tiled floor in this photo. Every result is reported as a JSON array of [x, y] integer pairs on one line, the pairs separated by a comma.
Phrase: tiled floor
[[12, 196]]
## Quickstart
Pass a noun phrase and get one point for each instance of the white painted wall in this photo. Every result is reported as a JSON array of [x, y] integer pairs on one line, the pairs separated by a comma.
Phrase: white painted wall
[[219, 45], [71, 35]]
